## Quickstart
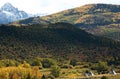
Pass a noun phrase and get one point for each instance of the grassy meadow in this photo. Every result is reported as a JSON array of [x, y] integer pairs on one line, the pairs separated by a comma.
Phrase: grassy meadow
[[48, 68]]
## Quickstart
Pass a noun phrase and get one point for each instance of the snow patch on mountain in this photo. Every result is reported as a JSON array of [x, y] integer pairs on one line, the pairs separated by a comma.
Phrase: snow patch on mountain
[[9, 13]]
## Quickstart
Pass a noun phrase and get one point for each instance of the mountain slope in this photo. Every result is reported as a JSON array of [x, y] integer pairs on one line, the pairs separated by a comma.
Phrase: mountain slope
[[92, 12], [91, 16], [59, 41], [111, 31], [9, 13]]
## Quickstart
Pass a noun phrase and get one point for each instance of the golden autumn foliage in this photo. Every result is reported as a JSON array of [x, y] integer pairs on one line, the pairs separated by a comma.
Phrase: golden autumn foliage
[[19, 73]]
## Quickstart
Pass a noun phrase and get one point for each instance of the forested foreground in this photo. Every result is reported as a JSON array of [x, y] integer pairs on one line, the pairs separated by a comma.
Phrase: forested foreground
[[56, 50]]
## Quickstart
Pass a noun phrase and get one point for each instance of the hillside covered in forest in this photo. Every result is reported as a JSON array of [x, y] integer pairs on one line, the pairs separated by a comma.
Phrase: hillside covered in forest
[[60, 41]]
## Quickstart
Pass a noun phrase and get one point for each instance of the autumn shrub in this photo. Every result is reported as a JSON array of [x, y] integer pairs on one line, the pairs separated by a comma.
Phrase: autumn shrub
[[25, 65], [47, 62], [55, 71], [36, 63], [8, 63], [19, 73], [102, 67]]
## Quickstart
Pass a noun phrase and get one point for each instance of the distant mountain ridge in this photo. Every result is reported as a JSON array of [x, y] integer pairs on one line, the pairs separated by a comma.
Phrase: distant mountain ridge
[[94, 18], [9, 13], [91, 14], [87, 14], [98, 19]]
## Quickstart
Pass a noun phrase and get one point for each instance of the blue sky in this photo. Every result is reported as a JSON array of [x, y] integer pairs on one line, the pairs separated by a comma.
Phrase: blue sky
[[52, 6]]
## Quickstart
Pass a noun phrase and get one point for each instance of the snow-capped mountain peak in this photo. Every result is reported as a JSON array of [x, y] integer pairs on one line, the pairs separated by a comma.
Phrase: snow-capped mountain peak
[[8, 7], [9, 13]]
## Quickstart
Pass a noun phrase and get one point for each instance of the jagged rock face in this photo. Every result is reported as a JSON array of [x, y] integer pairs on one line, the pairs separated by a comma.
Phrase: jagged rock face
[[9, 13]]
